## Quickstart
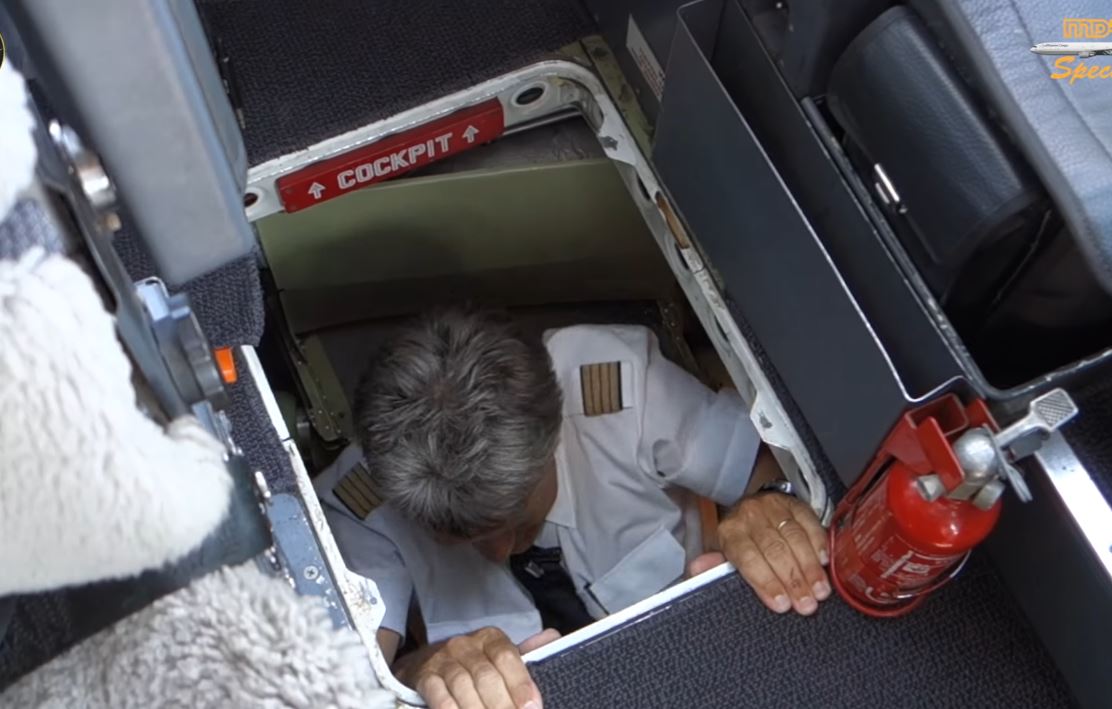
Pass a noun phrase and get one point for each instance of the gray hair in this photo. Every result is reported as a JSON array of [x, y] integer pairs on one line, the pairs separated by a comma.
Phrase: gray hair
[[458, 417]]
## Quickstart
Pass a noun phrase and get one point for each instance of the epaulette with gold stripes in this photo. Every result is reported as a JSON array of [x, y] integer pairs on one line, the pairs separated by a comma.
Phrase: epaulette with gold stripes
[[356, 492], [601, 386]]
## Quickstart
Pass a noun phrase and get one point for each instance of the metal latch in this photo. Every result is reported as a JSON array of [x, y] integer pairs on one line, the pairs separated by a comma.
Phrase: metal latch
[[988, 459], [187, 356], [887, 191]]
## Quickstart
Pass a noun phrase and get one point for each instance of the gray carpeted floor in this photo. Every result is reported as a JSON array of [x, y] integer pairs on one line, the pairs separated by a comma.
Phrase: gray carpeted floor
[[302, 75], [228, 302], [718, 647]]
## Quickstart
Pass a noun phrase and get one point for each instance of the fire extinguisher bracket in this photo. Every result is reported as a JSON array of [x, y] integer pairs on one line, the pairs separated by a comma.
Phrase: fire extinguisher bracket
[[931, 495]]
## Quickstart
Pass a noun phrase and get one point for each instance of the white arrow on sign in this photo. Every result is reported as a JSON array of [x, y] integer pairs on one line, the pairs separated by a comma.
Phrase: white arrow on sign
[[316, 189], [470, 133]]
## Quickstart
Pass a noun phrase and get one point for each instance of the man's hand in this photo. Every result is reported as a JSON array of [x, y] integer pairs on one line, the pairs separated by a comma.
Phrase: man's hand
[[480, 670], [779, 547]]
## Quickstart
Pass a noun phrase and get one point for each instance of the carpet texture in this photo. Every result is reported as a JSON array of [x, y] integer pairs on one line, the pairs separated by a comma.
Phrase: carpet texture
[[228, 302], [302, 75], [719, 647], [253, 432]]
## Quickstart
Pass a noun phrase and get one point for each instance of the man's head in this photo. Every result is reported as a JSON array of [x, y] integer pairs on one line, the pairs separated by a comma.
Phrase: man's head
[[459, 417]]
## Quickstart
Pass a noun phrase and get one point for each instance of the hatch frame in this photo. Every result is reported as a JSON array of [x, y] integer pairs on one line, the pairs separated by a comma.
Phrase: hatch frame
[[569, 88]]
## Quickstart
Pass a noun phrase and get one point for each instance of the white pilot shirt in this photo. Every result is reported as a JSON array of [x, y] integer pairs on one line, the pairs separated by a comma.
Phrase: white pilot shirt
[[623, 516]]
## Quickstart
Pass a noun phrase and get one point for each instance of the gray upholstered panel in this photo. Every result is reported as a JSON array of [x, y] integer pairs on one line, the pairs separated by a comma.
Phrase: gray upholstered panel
[[1065, 130]]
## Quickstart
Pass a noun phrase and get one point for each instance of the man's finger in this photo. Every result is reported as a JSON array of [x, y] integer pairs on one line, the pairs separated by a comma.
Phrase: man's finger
[[485, 678], [778, 553], [491, 685], [435, 692], [539, 640], [504, 655], [808, 560], [744, 554], [705, 562], [803, 514], [461, 685]]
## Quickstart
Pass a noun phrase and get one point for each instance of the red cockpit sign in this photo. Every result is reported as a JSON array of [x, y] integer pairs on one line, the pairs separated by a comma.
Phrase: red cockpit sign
[[392, 156]]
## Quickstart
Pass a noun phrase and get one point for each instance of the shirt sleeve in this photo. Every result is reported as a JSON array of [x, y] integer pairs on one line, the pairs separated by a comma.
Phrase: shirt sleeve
[[373, 556], [693, 437]]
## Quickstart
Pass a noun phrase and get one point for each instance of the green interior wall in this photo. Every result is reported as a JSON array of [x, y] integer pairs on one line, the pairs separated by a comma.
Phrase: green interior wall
[[557, 233]]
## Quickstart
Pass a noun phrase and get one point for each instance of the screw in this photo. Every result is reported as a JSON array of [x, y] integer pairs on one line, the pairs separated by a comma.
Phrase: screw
[[111, 221], [311, 573]]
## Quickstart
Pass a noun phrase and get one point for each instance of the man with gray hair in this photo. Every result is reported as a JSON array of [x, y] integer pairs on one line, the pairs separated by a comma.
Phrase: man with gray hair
[[516, 490]]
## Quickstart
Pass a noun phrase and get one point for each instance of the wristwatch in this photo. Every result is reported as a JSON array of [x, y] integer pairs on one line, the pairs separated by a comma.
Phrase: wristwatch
[[781, 486]]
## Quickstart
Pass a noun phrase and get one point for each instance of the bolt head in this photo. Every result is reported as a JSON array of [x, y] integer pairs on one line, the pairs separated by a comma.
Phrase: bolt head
[[977, 453], [930, 487]]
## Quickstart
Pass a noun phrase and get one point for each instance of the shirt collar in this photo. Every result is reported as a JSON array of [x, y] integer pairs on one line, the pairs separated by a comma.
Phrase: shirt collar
[[563, 509]]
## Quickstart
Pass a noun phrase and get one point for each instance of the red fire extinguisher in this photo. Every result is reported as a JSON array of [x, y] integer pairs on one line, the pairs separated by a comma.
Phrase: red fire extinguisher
[[931, 495]]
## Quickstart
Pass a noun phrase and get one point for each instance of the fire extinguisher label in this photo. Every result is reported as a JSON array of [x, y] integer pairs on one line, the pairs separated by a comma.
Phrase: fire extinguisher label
[[910, 569], [880, 563]]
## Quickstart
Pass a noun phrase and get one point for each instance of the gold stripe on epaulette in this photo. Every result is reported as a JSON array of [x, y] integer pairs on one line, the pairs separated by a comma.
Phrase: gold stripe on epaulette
[[356, 492], [601, 386]]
